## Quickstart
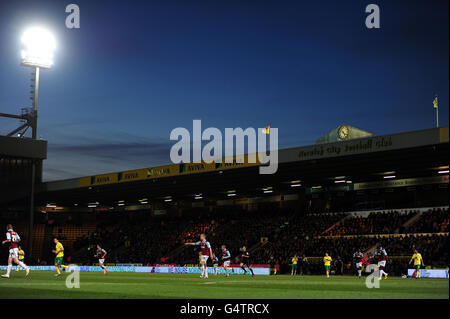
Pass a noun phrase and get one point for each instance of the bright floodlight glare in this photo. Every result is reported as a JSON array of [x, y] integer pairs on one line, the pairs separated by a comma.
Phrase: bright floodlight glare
[[37, 48]]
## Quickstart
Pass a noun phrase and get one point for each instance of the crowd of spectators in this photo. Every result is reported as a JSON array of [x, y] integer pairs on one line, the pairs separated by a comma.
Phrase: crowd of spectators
[[149, 240], [433, 221], [387, 222]]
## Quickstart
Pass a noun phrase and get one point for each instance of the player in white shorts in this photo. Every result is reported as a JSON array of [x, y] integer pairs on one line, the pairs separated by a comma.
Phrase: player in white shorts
[[101, 255], [206, 251], [204, 259], [382, 257], [215, 264], [226, 258], [13, 239], [358, 256]]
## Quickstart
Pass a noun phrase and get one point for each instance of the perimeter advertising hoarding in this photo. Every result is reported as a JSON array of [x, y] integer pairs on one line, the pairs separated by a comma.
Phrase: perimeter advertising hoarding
[[430, 273], [158, 269]]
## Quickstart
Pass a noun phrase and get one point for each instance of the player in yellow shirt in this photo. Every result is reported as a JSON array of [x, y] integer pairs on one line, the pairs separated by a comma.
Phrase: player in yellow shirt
[[418, 261], [200, 260], [21, 257], [294, 265], [59, 252], [327, 262]]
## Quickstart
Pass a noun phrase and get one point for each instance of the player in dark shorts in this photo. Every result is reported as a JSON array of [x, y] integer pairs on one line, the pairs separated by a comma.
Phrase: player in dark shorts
[[245, 260], [273, 264]]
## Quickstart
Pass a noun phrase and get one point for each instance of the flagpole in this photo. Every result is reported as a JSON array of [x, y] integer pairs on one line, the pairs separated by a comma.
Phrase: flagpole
[[437, 117], [436, 106]]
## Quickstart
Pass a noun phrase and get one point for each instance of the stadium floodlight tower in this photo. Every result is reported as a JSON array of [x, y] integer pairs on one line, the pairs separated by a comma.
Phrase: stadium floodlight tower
[[38, 45]]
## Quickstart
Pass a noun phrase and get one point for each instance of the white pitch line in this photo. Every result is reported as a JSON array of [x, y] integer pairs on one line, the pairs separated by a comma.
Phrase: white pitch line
[[63, 283]]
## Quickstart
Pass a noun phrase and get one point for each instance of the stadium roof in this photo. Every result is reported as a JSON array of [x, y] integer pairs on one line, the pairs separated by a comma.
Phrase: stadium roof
[[413, 157], [15, 147]]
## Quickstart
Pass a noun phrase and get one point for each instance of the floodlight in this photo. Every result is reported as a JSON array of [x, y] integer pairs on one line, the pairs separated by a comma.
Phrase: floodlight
[[38, 45]]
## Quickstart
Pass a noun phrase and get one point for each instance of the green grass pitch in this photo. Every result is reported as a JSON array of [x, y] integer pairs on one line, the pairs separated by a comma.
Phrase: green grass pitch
[[43, 284]]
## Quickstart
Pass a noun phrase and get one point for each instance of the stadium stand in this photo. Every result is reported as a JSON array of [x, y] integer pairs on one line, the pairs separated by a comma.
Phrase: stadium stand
[[329, 197], [142, 239]]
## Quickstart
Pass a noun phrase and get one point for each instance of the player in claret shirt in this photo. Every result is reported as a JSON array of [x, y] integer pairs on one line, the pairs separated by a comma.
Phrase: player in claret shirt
[[358, 257], [13, 239], [215, 264], [206, 252], [101, 255], [226, 258], [382, 259]]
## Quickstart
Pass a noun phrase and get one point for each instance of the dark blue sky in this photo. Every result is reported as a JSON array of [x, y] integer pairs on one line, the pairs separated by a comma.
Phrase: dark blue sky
[[137, 69]]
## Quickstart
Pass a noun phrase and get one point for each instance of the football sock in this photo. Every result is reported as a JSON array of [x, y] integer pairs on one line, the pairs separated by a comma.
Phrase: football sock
[[21, 264], [9, 269], [252, 271], [57, 270]]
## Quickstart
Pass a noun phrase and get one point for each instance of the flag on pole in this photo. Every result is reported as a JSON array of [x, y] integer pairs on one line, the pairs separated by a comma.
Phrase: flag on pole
[[266, 130], [435, 102]]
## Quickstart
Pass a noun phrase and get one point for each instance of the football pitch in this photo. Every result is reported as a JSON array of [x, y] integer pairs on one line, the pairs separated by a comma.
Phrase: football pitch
[[43, 284]]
